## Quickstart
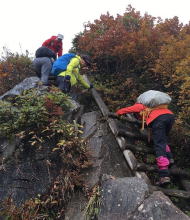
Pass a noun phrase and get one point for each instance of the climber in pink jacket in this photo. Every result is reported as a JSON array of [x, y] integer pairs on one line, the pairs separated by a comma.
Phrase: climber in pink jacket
[[160, 119]]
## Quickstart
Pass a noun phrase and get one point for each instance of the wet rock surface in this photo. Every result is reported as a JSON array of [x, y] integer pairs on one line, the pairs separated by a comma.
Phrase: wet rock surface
[[27, 173], [106, 157], [158, 206], [121, 197], [28, 83], [130, 198]]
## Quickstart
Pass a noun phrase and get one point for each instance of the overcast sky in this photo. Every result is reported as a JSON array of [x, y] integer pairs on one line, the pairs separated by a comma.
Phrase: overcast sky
[[25, 24]]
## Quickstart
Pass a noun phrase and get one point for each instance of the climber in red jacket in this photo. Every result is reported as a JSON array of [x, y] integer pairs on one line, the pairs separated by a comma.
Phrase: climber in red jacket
[[55, 44], [160, 119]]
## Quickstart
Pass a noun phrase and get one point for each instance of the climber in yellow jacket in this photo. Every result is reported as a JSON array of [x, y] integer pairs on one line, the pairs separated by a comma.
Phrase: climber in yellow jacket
[[71, 76]]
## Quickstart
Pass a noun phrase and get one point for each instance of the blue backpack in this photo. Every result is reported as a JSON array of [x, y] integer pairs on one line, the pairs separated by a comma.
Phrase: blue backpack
[[61, 63]]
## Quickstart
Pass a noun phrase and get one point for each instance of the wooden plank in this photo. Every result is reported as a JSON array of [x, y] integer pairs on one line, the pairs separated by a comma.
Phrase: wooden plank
[[130, 158], [172, 192], [174, 171], [139, 148]]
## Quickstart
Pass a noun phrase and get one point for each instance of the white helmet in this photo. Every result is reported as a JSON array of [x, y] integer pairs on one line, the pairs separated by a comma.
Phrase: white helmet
[[60, 36]]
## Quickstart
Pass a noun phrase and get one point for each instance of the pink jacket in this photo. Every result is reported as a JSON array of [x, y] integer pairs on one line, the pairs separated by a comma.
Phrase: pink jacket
[[137, 108]]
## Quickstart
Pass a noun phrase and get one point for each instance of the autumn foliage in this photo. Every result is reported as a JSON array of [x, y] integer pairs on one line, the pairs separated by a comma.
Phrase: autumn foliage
[[13, 69], [135, 53]]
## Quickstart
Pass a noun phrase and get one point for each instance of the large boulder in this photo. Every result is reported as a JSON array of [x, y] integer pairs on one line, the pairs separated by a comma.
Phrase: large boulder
[[28, 83], [27, 172], [130, 199], [121, 197], [158, 206], [106, 157]]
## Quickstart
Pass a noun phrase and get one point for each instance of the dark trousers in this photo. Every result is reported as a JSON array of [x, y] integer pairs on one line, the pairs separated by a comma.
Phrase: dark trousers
[[64, 83], [161, 127]]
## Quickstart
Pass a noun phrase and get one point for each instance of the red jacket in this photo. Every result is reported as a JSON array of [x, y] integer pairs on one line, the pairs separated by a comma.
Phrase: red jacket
[[54, 45], [137, 108]]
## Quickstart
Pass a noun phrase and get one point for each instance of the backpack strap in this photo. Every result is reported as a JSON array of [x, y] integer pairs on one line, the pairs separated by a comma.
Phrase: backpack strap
[[146, 112]]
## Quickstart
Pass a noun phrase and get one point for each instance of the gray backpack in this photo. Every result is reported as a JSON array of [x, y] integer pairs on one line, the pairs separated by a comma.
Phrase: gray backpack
[[153, 98]]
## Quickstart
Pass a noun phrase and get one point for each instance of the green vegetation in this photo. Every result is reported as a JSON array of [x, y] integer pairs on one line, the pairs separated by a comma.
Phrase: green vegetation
[[93, 207], [37, 119]]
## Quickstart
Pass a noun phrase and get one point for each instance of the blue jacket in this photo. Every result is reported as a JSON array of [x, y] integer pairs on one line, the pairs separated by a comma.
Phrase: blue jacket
[[61, 63]]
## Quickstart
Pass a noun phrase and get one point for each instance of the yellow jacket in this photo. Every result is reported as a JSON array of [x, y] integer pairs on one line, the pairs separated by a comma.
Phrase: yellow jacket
[[73, 71]]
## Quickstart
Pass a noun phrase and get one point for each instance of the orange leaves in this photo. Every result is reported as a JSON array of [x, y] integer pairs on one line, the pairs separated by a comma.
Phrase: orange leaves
[[5, 69], [122, 43], [13, 69], [3, 74], [52, 108]]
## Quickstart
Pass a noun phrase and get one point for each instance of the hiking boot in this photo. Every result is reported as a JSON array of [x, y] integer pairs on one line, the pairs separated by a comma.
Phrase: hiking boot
[[163, 181]]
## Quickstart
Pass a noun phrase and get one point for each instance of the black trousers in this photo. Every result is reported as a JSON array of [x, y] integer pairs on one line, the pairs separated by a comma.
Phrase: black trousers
[[161, 127], [64, 83]]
